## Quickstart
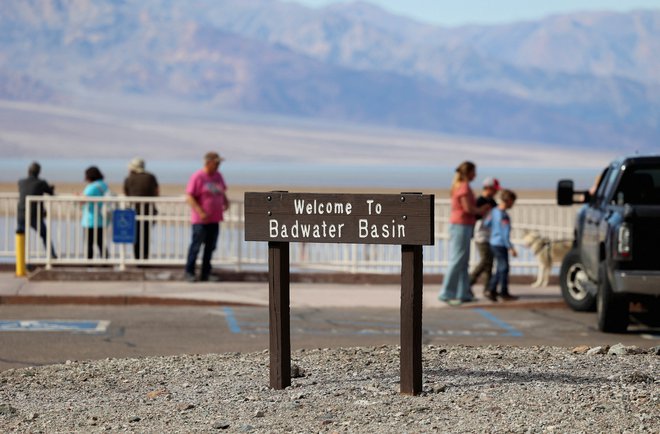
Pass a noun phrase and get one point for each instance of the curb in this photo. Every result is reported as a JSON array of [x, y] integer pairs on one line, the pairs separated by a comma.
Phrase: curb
[[164, 301], [74, 274]]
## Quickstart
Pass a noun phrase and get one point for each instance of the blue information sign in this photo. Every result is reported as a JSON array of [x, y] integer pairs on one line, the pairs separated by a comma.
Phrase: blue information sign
[[123, 226]]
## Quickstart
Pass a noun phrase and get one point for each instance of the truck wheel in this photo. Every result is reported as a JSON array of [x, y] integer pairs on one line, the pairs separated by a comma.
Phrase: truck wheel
[[572, 280], [613, 309]]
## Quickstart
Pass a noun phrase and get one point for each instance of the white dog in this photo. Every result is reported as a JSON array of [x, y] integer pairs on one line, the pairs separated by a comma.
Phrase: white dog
[[547, 252]]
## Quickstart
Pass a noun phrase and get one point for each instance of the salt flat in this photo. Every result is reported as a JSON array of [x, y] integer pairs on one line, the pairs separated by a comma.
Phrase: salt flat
[[117, 130]]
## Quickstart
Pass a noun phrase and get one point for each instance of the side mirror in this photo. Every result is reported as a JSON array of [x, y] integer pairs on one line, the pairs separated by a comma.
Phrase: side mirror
[[566, 193]]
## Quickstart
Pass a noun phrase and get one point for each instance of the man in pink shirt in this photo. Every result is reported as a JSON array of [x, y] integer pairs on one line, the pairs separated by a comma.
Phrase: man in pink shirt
[[206, 196]]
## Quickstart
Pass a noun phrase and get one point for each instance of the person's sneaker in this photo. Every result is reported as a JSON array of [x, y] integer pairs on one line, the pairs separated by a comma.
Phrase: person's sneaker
[[509, 297], [454, 302], [189, 277], [490, 295], [210, 278]]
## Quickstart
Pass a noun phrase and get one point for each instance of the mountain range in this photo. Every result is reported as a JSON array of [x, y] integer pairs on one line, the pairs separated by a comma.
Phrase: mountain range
[[585, 80]]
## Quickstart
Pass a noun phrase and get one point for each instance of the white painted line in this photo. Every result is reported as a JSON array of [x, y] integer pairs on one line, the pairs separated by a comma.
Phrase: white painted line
[[75, 326]]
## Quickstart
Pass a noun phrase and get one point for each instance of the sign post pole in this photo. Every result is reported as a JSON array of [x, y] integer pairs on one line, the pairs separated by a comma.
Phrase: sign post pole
[[411, 319], [279, 317], [123, 230]]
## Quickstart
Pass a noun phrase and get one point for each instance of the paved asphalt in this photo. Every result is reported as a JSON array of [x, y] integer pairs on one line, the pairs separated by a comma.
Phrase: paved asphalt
[[50, 322]]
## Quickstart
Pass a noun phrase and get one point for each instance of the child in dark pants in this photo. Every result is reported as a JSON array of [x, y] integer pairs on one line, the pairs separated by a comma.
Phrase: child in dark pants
[[500, 244], [491, 186]]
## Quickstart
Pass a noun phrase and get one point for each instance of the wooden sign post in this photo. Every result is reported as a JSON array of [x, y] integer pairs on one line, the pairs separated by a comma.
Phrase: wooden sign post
[[281, 218]]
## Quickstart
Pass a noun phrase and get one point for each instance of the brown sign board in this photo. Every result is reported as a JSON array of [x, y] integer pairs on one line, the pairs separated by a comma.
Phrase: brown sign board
[[282, 218], [403, 219]]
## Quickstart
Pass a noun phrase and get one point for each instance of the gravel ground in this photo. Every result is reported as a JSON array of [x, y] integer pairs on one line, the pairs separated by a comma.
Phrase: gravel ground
[[466, 389]]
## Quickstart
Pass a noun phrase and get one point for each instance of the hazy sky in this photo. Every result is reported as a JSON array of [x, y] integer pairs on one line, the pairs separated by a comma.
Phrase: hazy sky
[[458, 12]]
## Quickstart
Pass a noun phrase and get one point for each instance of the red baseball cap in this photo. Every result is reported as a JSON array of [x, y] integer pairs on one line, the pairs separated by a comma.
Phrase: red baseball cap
[[492, 183]]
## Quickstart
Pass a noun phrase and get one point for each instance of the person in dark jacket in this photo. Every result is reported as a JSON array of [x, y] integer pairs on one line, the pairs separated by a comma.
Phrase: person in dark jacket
[[482, 234], [34, 186], [141, 183]]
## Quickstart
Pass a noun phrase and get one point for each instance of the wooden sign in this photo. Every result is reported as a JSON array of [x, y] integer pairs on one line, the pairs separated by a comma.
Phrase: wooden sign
[[405, 218], [282, 218]]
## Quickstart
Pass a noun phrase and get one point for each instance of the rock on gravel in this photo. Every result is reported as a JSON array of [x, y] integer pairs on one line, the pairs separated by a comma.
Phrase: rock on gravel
[[466, 389]]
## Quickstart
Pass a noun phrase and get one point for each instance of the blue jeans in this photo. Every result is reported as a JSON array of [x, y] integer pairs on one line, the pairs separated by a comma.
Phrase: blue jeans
[[206, 234], [501, 276], [456, 283]]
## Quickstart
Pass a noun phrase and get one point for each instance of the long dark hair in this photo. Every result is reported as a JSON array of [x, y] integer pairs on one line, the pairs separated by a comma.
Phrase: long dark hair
[[93, 174]]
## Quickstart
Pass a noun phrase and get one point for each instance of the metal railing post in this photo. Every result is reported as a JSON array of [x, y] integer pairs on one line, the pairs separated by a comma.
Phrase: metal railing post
[[27, 232], [48, 229], [240, 223], [122, 247]]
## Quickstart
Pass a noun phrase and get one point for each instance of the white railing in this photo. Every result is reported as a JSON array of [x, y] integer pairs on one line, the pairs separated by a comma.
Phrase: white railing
[[170, 237], [8, 205], [169, 232]]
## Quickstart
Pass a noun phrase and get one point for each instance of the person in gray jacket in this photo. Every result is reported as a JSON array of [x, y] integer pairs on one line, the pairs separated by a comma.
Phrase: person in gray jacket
[[33, 186]]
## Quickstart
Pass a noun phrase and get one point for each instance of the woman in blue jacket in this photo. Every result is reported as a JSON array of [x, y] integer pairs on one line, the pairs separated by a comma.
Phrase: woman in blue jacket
[[92, 213]]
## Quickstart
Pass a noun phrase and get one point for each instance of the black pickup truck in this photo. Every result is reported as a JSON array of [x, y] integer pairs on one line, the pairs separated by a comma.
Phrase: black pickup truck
[[615, 258]]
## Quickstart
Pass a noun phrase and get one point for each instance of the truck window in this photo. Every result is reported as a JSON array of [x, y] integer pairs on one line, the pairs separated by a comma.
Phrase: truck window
[[598, 189], [608, 183], [640, 186]]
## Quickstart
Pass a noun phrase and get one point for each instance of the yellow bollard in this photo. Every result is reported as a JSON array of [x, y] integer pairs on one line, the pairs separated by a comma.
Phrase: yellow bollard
[[20, 255]]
